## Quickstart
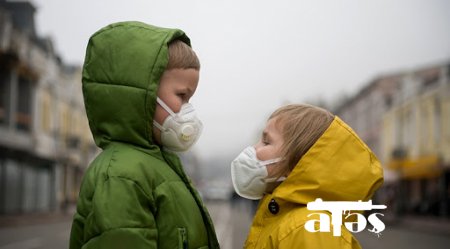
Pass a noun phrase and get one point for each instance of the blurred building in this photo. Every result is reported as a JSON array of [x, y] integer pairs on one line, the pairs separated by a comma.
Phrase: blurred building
[[405, 119], [364, 111], [416, 141], [45, 142]]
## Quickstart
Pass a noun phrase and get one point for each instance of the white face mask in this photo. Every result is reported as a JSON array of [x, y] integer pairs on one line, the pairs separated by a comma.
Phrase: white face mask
[[249, 175], [181, 130]]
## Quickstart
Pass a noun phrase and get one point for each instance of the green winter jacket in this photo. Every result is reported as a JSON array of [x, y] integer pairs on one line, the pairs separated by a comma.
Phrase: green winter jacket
[[133, 195]]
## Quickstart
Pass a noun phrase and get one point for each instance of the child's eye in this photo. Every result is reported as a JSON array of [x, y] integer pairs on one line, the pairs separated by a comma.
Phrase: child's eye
[[183, 96]]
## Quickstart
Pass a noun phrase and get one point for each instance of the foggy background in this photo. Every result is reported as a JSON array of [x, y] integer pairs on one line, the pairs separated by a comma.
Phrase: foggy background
[[255, 56]]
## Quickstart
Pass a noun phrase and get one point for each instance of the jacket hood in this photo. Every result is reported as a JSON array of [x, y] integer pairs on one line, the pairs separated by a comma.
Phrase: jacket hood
[[338, 167], [121, 73]]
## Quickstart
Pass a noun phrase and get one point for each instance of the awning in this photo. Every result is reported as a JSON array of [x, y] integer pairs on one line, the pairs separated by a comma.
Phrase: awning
[[422, 167]]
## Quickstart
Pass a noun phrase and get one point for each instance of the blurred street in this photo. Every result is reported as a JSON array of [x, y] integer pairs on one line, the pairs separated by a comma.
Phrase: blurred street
[[403, 237], [50, 233], [232, 221]]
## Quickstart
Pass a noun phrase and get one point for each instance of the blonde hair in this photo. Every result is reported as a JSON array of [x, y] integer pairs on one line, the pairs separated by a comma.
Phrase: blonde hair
[[181, 56], [301, 126]]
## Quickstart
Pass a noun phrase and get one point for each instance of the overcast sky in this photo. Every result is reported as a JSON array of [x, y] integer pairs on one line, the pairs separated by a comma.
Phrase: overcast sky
[[258, 54]]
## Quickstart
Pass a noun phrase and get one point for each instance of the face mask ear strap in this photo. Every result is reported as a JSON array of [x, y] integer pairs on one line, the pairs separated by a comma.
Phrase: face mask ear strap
[[274, 179], [158, 125], [164, 106], [271, 161]]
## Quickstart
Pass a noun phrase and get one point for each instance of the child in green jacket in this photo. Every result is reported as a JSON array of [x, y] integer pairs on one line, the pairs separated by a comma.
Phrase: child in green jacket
[[137, 82]]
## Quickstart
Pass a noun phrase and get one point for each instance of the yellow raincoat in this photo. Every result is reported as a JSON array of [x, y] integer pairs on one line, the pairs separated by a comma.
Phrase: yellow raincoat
[[338, 167]]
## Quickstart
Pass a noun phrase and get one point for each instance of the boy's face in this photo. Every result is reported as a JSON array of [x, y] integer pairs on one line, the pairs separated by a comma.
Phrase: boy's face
[[269, 146], [175, 88]]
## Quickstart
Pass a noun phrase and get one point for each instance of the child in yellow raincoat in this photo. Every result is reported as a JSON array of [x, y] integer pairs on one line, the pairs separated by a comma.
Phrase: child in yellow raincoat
[[305, 153]]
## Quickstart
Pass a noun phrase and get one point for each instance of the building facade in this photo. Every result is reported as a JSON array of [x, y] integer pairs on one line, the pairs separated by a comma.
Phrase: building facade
[[405, 119], [416, 141], [45, 142]]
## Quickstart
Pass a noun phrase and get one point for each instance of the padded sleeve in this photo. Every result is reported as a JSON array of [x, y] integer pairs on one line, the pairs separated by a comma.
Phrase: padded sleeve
[[121, 217]]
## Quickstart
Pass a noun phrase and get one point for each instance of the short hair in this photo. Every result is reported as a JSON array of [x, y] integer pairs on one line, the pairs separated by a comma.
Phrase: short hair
[[301, 126], [181, 56]]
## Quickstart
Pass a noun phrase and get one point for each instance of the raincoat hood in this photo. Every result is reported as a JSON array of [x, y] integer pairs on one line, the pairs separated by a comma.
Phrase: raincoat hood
[[338, 167], [120, 81]]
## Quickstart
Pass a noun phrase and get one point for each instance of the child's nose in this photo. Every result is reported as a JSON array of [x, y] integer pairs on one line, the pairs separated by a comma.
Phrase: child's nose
[[258, 147]]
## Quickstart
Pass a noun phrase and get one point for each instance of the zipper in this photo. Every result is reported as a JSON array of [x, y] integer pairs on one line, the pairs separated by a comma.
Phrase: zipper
[[182, 238]]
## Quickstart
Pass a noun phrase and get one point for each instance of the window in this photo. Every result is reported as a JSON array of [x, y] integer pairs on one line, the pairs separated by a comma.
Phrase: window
[[46, 113], [4, 96], [430, 79], [23, 116], [437, 121]]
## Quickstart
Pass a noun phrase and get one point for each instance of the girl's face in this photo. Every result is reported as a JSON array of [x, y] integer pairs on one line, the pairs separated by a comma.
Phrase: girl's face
[[269, 146]]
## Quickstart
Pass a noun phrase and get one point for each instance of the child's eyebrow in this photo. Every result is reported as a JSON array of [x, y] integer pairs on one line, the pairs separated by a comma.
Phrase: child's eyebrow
[[187, 89]]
